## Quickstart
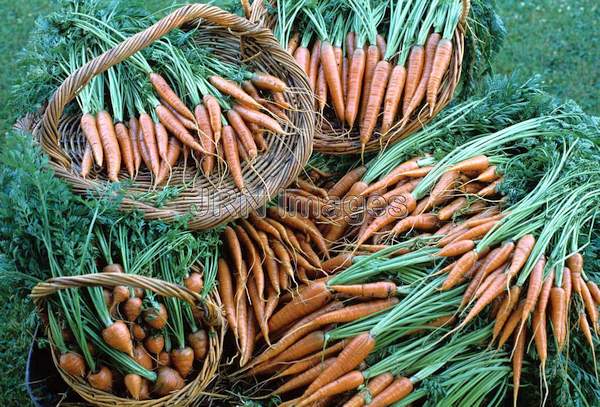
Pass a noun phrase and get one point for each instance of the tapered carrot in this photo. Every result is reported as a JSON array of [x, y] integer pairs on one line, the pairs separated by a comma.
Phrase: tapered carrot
[[399, 208], [334, 82], [462, 266], [229, 143], [303, 225], [174, 126], [112, 152], [496, 288], [540, 335], [337, 263], [268, 82], [302, 56], [293, 43], [424, 221], [421, 89], [379, 81], [381, 289], [441, 61], [476, 232], [381, 45], [594, 291], [558, 314], [134, 126], [375, 386], [353, 355], [254, 261], [162, 140], [511, 324], [353, 312], [226, 293], [584, 327], [321, 91], [173, 152], [393, 177], [491, 189], [308, 300], [475, 164], [590, 306], [567, 285], [312, 360], [207, 141], [259, 118], [521, 254], [414, 71], [519, 353], [506, 310], [345, 183], [166, 92], [393, 96], [258, 306], [187, 123], [214, 114], [305, 378], [232, 89], [312, 342], [456, 248], [400, 388], [90, 131], [144, 153], [356, 73], [124, 141], [243, 133], [372, 58], [345, 69], [347, 382], [315, 60], [251, 342], [87, 161]]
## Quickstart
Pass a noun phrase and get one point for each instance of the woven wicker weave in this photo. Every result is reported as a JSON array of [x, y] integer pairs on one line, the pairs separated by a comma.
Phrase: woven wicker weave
[[335, 140], [213, 322], [211, 201]]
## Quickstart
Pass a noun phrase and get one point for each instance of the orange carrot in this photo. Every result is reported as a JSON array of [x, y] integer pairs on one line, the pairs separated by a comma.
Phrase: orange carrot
[[594, 291], [315, 60], [381, 45], [187, 123], [258, 306], [302, 224], [347, 382], [334, 82], [575, 263], [174, 126], [381, 289], [372, 59], [173, 152], [506, 309], [337, 263], [351, 44], [268, 82], [475, 164], [162, 140], [312, 360], [106, 129], [356, 73], [304, 378], [521, 254], [511, 324], [421, 89], [490, 190], [261, 119], [462, 266], [321, 91], [134, 126], [400, 388], [497, 257], [353, 312], [496, 288], [519, 353], [414, 71], [308, 300], [90, 131], [379, 81], [148, 131], [399, 208], [214, 114], [476, 232], [166, 92], [249, 349], [302, 56], [424, 221], [441, 61], [558, 314], [87, 161], [590, 306], [584, 326], [353, 355], [232, 89], [207, 141], [393, 95], [345, 68], [243, 133], [124, 141], [229, 143], [449, 210], [345, 183], [293, 43], [456, 248], [375, 386], [226, 293]]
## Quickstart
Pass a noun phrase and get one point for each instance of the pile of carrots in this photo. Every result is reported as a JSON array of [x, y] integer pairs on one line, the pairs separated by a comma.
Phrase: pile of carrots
[[375, 65]]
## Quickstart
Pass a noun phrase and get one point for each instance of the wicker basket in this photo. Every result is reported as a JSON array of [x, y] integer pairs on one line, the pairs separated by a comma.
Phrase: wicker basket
[[213, 322], [335, 140], [210, 201]]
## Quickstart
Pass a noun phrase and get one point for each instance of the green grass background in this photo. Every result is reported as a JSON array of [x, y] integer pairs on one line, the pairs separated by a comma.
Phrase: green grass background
[[558, 39]]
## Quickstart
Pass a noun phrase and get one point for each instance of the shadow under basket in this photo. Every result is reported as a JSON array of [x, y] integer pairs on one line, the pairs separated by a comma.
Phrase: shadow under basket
[[209, 201], [332, 137]]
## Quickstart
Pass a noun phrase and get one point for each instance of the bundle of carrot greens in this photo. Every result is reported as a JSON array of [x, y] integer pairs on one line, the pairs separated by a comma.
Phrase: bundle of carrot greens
[[174, 99]]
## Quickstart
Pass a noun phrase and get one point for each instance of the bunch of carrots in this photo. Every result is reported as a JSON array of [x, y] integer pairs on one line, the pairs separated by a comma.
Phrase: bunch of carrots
[[375, 63], [181, 100], [124, 340]]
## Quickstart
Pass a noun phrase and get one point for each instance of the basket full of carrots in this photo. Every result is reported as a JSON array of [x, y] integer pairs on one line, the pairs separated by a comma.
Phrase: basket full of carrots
[[379, 69], [200, 112]]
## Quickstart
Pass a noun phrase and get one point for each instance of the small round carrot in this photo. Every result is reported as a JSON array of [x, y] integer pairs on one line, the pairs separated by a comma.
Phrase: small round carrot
[[90, 131], [173, 152], [374, 386], [87, 162], [347, 382], [332, 76], [400, 388], [393, 96], [234, 90], [230, 148], [463, 264], [353, 355], [162, 140], [243, 133], [356, 73], [441, 61], [174, 126], [134, 126], [381, 289], [112, 152], [166, 92], [305, 378], [126, 148], [376, 92], [268, 82], [372, 58]]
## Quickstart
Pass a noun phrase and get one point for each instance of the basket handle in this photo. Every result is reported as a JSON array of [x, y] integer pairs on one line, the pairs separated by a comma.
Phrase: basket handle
[[69, 89], [49, 287]]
